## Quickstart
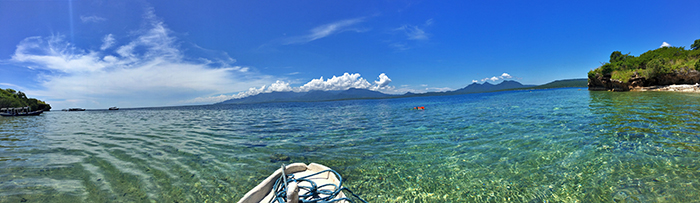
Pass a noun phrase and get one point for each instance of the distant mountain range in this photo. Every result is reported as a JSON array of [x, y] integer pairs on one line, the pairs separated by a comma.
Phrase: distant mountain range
[[318, 95], [354, 93]]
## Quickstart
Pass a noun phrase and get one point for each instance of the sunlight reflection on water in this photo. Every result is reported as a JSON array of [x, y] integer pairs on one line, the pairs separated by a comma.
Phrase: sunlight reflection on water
[[546, 145]]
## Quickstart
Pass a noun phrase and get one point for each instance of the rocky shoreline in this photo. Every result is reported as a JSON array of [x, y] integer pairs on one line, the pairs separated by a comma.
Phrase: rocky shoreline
[[679, 81], [671, 88]]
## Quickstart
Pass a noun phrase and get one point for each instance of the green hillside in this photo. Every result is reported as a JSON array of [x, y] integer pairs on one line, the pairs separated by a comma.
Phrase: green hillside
[[583, 82], [650, 64], [12, 98]]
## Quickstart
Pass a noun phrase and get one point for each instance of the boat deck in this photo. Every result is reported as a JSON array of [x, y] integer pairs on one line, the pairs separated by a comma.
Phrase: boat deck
[[264, 191]]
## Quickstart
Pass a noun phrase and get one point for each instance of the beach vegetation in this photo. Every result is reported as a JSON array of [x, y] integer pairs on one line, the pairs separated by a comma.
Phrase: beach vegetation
[[10, 98], [653, 63]]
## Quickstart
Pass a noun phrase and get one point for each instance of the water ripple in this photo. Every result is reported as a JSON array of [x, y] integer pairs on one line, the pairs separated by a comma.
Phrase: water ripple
[[522, 146]]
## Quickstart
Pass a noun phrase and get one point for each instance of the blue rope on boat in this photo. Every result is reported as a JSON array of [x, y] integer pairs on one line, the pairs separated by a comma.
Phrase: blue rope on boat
[[313, 194]]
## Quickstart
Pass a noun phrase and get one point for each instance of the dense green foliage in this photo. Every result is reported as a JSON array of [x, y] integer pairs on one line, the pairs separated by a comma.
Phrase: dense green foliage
[[12, 98], [650, 64]]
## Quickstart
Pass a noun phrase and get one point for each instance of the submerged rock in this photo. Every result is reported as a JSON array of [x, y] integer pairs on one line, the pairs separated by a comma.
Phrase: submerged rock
[[279, 157]]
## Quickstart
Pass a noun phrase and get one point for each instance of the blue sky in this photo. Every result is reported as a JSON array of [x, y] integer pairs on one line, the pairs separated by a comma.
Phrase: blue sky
[[96, 54]]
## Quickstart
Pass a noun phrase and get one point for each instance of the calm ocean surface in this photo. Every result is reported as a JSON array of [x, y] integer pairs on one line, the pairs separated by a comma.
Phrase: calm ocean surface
[[561, 145]]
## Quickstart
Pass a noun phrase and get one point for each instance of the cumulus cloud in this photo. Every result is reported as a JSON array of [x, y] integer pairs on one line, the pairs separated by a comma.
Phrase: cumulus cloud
[[326, 30], [495, 78], [383, 81], [505, 76], [280, 86], [149, 70], [664, 45], [343, 82], [92, 19]]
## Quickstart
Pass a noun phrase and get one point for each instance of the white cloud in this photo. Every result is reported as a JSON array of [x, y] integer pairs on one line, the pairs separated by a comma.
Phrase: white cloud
[[92, 19], [150, 70], [438, 89], [495, 78], [429, 22], [241, 69], [422, 88], [413, 32], [279, 86], [325, 30], [664, 45], [53, 53], [107, 42], [12, 86], [343, 82], [383, 81], [505, 76]]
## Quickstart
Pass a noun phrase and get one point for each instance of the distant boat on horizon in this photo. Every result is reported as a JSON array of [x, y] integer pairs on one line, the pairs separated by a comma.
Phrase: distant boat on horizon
[[113, 108]]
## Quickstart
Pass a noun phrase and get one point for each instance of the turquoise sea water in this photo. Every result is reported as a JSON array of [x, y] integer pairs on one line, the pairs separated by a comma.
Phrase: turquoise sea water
[[561, 145]]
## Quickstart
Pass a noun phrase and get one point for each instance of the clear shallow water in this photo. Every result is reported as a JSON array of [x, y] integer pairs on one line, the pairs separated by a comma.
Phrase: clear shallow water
[[562, 145]]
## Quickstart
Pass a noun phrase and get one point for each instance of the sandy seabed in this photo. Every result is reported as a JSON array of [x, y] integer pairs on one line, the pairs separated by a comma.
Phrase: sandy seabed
[[671, 88]]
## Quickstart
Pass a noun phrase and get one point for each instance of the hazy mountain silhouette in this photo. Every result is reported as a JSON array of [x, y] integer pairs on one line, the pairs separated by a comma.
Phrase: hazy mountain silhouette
[[354, 93]]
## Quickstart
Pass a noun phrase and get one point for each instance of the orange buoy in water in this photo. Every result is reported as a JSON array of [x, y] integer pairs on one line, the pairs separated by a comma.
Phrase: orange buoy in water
[[419, 108]]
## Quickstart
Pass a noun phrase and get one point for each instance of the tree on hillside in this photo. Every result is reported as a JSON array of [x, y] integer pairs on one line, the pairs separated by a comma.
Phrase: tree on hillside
[[618, 56], [21, 95], [696, 45], [615, 56]]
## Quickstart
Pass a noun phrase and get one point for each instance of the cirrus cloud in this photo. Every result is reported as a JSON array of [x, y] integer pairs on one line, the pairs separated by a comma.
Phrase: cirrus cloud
[[92, 19], [326, 30], [107, 42], [415, 32], [149, 70]]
